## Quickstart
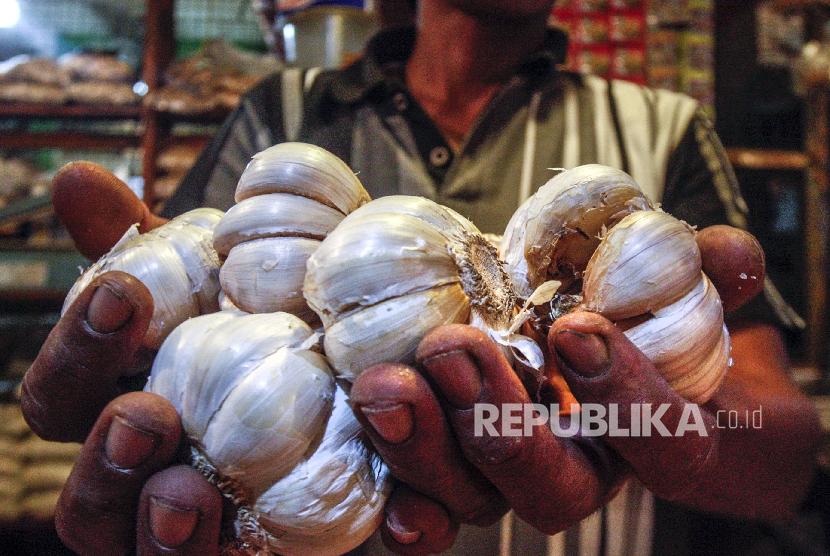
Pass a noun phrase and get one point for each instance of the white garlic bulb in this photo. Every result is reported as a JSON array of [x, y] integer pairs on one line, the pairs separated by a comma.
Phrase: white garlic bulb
[[269, 428], [251, 393], [643, 264], [393, 270], [289, 198], [176, 262], [553, 234], [332, 500]]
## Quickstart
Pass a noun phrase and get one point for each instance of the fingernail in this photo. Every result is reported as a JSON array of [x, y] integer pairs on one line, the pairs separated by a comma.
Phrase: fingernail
[[170, 525], [127, 446], [400, 533], [457, 376], [584, 354], [394, 423], [108, 310]]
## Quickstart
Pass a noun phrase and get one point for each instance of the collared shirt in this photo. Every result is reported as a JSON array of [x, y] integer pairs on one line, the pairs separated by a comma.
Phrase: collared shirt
[[542, 119]]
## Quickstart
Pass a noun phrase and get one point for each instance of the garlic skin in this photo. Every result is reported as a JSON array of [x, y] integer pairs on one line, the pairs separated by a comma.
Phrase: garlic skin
[[642, 263], [176, 262], [289, 198], [553, 234], [251, 393], [396, 268], [333, 500]]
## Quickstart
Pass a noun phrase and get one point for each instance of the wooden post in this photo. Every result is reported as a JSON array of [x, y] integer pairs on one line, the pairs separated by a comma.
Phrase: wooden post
[[159, 51], [816, 221]]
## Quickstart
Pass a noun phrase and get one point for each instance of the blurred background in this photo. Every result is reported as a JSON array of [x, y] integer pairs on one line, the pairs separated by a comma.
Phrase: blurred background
[[141, 86]]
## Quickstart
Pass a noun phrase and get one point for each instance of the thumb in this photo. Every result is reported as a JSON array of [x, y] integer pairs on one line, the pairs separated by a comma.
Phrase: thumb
[[97, 208]]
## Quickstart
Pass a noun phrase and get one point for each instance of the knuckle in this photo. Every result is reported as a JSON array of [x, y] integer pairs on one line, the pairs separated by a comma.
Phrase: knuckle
[[491, 451]]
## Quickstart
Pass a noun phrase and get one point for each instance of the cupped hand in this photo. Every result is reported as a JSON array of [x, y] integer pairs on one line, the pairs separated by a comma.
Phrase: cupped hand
[[423, 420], [127, 492]]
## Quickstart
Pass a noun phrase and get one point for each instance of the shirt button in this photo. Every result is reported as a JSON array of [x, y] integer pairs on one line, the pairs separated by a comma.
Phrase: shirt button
[[400, 101], [439, 156]]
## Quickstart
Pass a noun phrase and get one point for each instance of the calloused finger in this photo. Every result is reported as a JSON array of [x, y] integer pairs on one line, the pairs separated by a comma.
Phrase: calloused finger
[[397, 408], [180, 513], [136, 436], [76, 372], [97, 208], [734, 262], [550, 481], [679, 449]]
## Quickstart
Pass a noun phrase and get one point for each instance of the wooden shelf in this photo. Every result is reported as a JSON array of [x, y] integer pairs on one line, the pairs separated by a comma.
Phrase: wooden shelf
[[763, 159], [790, 4], [67, 140], [69, 111]]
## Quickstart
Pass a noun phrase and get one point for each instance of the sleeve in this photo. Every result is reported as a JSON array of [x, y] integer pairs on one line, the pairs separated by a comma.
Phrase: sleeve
[[702, 189], [254, 126]]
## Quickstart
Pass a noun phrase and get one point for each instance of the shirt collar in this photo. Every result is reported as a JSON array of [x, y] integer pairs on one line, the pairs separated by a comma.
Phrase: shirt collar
[[388, 51]]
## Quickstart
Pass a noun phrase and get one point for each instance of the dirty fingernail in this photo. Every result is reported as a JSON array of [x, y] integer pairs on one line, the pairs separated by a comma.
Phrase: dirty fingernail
[[109, 310], [393, 422], [127, 446], [585, 354], [170, 525], [457, 376], [400, 533]]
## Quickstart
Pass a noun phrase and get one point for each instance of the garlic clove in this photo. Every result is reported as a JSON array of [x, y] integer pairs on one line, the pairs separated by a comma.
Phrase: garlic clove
[[681, 338], [647, 261], [333, 500], [206, 218], [700, 385], [553, 234], [304, 170], [241, 345], [266, 275], [375, 257], [177, 356], [274, 215], [177, 264], [443, 219], [392, 329], [268, 420]]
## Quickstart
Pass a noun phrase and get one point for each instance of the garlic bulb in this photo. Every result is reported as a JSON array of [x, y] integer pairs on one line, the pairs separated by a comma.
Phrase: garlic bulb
[[553, 234], [393, 270], [176, 262], [268, 427], [289, 198], [333, 500], [641, 264]]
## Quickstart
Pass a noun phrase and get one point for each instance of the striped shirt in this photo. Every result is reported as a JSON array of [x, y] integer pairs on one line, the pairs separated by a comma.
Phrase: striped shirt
[[542, 119]]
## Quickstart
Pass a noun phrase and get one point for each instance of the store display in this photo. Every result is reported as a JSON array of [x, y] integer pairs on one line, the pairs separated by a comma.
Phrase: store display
[[681, 48], [606, 38], [20, 179], [75, 78], [665, 44], [215, 78], [32, 471]]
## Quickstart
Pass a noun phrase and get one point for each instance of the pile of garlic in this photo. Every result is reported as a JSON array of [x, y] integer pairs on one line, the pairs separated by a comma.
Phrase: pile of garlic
[[263, 397]]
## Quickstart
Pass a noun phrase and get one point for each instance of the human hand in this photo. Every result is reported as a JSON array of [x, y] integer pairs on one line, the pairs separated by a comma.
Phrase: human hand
[[127, 492], [422, 421]]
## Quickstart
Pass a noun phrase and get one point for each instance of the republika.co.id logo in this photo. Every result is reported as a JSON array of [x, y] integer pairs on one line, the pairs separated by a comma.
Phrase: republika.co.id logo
[[614, 420]]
